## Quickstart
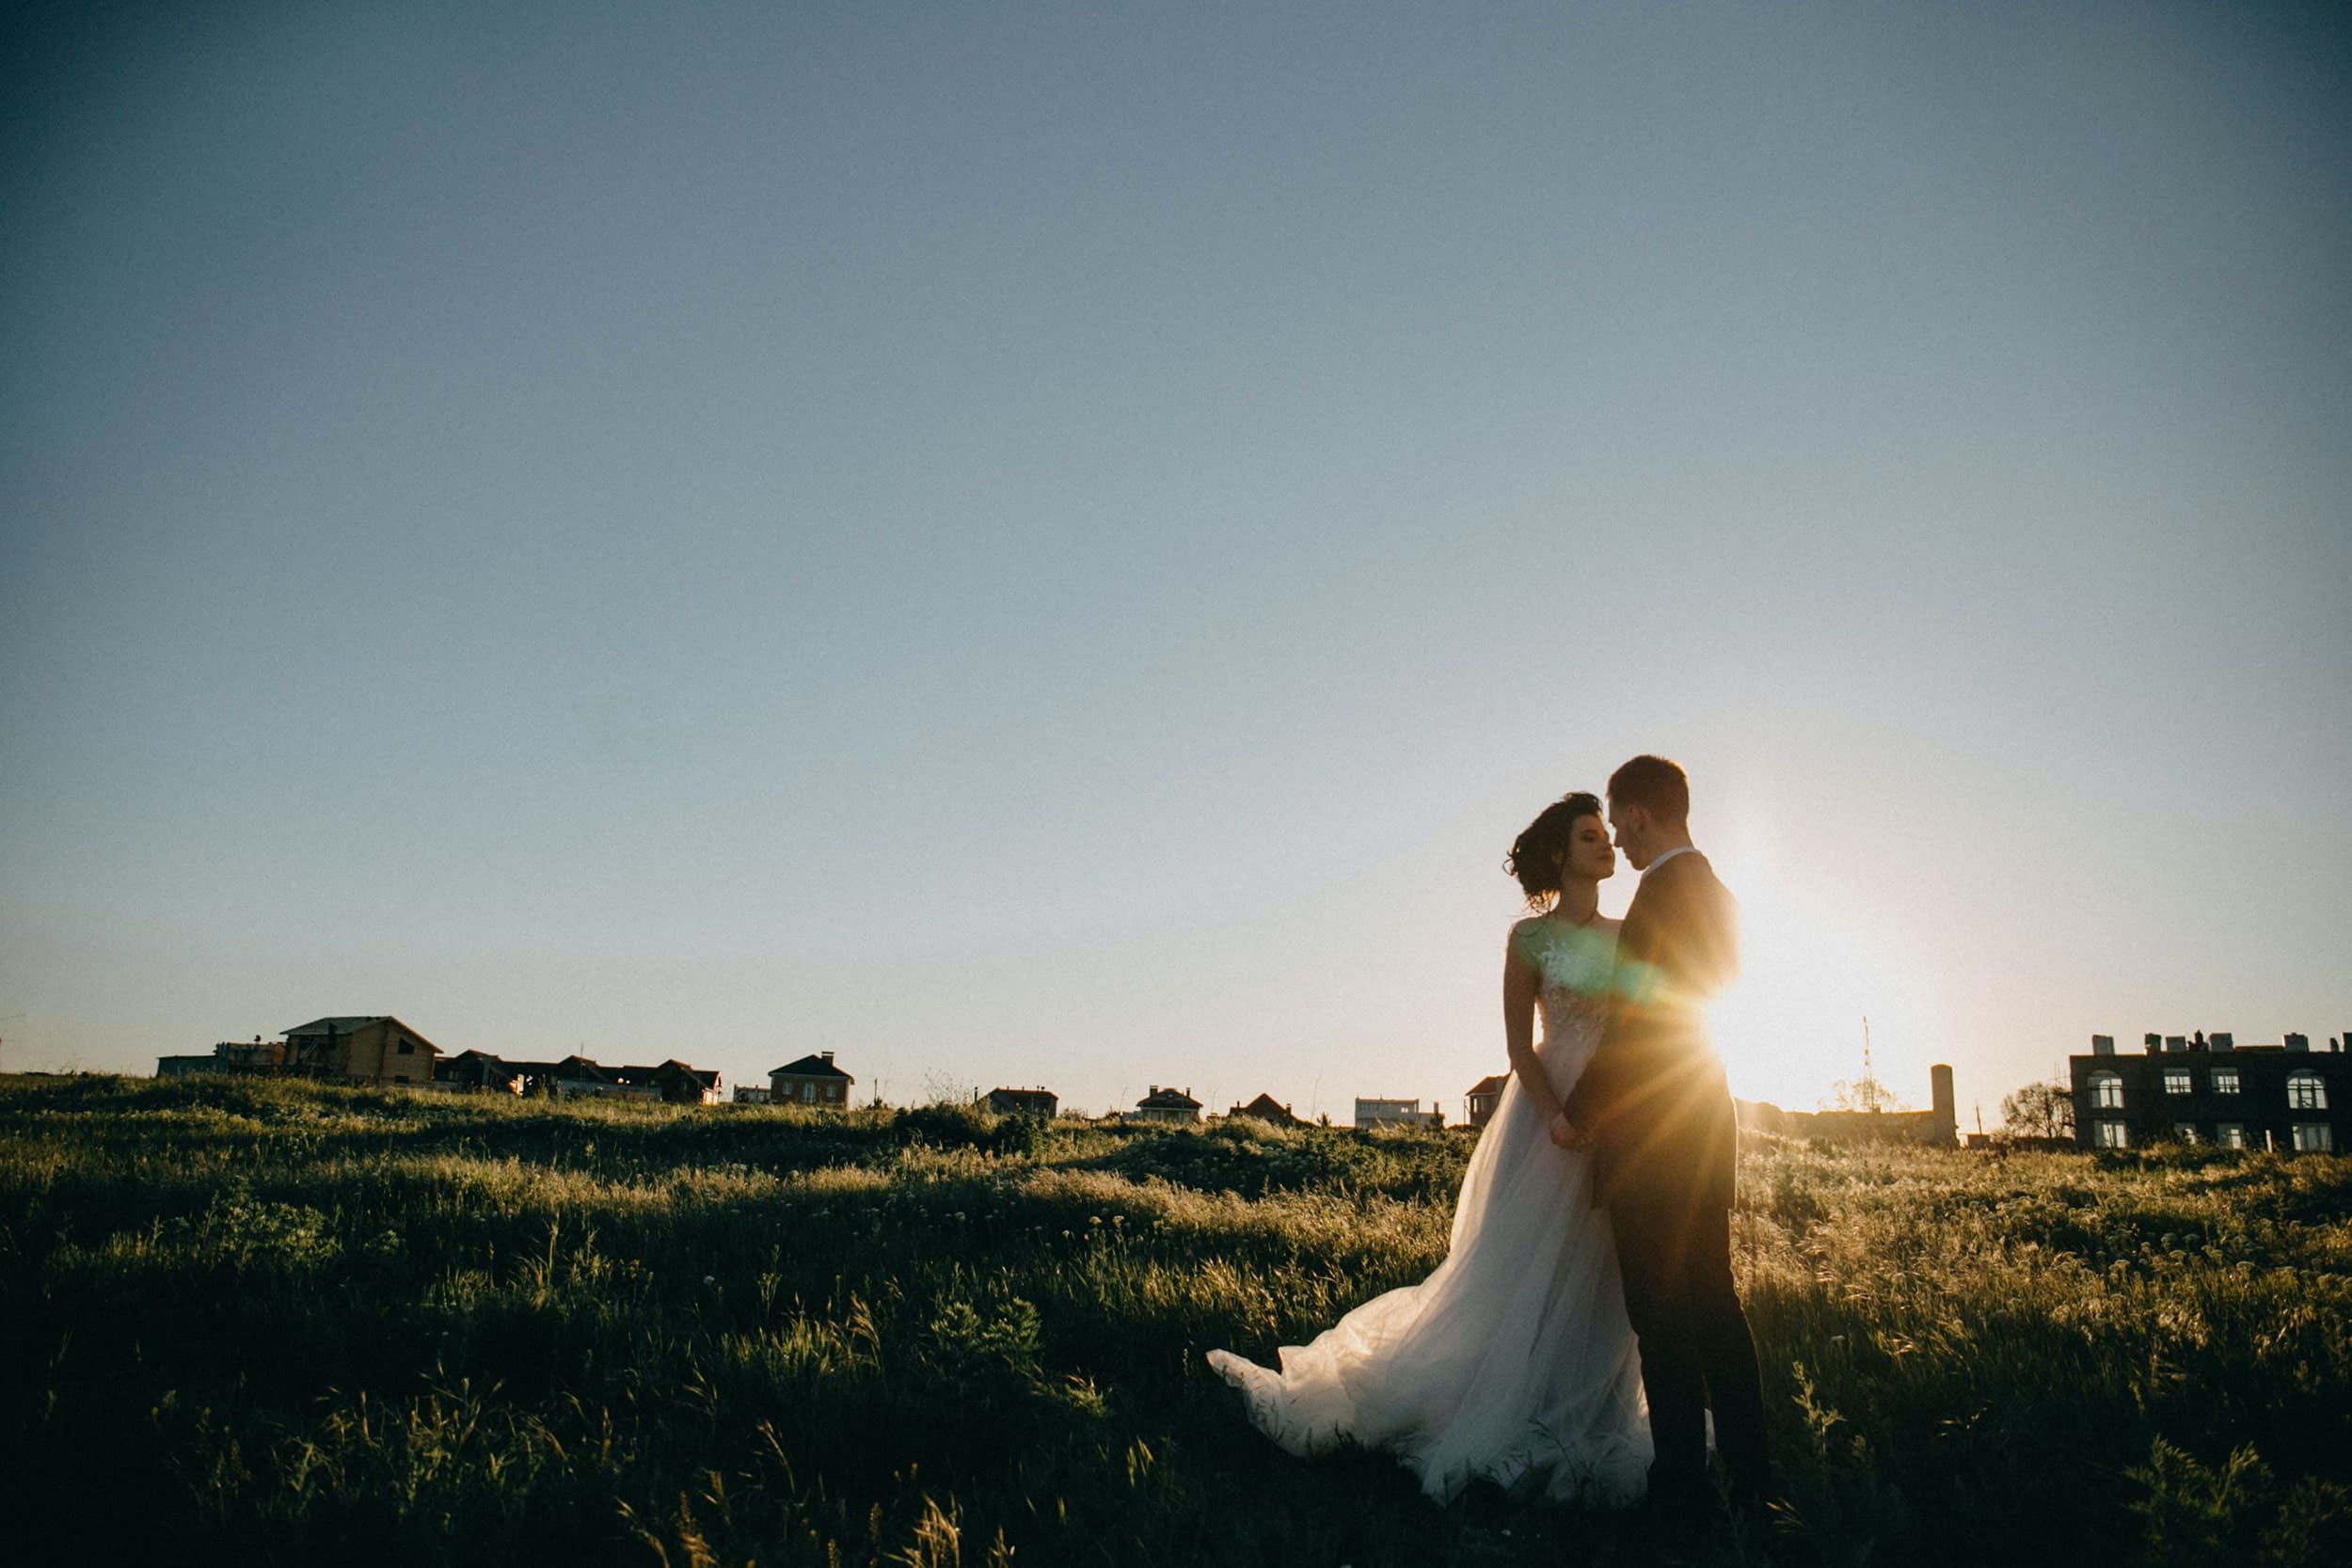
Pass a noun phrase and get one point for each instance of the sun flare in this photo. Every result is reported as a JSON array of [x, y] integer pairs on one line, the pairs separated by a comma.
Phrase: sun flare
[[1791, 1027]]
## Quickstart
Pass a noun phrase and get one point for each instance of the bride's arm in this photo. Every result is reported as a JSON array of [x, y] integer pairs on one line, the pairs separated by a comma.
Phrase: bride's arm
[[1518, 1031]]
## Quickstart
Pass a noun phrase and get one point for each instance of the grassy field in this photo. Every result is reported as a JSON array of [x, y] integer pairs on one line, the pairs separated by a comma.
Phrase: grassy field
[[269, 1322]]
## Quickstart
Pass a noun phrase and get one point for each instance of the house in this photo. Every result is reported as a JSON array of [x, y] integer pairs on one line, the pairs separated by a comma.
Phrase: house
[[577, 1077], [479, 1070], [1266, 1109], [1024, 1102], [673, 1082], [811, 1080], [356, 1049], [360, 1049], [1172, 1105], [2286, 1097], [751, 1094], [1396, 1112], [1484, 1095], [1938, 1127]]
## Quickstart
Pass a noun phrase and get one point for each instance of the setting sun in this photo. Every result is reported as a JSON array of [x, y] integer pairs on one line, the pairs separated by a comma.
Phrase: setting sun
[[1790, 1027]]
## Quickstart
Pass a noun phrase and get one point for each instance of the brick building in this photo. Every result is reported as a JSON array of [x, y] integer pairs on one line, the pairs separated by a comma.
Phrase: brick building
[[811, 1080], [2286, 1097], [1267, 1109], [1167, 1105]]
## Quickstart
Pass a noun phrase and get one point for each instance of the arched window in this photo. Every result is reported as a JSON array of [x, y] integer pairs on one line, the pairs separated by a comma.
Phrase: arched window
[[2107, 1091], [2306, 1091]]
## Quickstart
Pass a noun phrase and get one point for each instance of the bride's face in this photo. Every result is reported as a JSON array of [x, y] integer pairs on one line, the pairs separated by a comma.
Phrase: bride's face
[[1589, 854]]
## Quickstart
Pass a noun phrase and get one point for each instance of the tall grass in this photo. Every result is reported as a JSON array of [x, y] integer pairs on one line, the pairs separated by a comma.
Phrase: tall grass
[[267, 1322]]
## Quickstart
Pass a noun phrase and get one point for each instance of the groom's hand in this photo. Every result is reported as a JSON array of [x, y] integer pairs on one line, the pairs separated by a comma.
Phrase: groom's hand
[[1566, 1134]]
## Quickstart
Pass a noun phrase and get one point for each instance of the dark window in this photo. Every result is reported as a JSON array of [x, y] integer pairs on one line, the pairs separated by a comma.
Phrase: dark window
[[409, 1048]]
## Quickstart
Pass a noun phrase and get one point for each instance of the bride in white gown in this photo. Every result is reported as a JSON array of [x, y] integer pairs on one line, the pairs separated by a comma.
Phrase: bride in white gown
[[1514, 1361]]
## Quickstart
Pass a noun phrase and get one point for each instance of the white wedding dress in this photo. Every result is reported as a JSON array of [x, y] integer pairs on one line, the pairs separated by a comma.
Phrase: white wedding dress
[[1514, 1361]]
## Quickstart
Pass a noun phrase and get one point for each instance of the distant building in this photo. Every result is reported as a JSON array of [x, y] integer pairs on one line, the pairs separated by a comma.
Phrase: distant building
[[1175, 1106], [479, 1070], [751, 1094], [1266, 1109], [1482, 1097], [1938, 1127], [674, 1081], [1396, 1112], [2286, 1097], [1024, 1102], [811, 1080], [360, 1050], [189, 1066], [354, 1049], [578, 1078]]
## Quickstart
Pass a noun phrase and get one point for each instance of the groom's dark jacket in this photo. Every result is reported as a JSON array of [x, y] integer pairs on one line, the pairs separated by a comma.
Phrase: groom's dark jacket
[[1653, 1098]]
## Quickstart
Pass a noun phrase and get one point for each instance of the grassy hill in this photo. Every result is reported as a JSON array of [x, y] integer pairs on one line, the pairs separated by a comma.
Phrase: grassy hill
[[260, 1321]]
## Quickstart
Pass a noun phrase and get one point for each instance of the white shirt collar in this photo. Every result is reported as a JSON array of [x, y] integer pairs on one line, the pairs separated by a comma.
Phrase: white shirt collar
[[1678, 849]]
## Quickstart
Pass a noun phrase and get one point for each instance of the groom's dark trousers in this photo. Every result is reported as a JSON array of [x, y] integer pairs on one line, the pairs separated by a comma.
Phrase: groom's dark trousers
[[1655, 1104], [1696, 1352]]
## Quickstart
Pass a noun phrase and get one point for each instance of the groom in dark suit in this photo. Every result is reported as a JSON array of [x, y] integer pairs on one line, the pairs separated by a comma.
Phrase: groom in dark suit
[[1653, 1108]]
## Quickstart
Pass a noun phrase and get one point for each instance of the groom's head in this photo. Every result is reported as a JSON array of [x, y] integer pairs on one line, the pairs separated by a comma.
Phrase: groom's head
[[1649, 809]]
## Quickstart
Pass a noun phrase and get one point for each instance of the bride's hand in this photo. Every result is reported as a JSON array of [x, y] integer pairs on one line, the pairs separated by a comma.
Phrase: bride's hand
[[1565, 1133]]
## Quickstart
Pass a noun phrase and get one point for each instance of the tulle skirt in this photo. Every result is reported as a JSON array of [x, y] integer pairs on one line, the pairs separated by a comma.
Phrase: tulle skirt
[[1513, 1362]]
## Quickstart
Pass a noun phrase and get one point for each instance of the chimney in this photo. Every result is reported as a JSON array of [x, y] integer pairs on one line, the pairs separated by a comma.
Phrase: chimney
[[2154, 1042], [2176, 1043], [2298, 1042], [824, 1055], [2221, 1040], [1946, 1110], [1156, 1088], [2103, 1045]]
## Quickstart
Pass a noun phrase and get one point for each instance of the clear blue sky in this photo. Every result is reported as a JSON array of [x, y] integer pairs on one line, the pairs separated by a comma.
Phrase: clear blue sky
[[1060, 545]]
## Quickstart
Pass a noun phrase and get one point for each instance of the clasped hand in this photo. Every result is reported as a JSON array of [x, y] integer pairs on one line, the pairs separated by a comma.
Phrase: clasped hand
[[1566, 1134]]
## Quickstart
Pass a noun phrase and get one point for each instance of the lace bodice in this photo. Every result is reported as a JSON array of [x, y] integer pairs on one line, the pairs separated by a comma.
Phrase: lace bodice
[[1575, 970]]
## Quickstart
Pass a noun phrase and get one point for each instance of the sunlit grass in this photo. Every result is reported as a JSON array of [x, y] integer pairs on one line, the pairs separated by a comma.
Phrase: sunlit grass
[[253, 1321]]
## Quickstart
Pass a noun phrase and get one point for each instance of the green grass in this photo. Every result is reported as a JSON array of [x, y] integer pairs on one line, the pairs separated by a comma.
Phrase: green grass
[[271, 1323]]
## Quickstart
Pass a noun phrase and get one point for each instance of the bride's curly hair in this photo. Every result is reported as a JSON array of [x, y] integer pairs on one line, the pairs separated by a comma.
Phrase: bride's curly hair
[[1535, 854]]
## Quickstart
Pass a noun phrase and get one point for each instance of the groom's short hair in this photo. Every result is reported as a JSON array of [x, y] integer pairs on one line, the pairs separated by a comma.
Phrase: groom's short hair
[[1654, 785]]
